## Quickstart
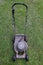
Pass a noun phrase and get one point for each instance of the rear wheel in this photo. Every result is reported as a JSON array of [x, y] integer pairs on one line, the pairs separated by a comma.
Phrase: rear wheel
[[13, 40], [25, 38]]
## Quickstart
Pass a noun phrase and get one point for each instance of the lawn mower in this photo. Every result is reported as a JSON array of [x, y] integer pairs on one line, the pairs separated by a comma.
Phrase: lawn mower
[[20, 40]]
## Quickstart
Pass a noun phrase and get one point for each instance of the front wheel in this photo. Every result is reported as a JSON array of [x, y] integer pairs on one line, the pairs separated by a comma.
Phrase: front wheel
[[14, 58], [26, 58]]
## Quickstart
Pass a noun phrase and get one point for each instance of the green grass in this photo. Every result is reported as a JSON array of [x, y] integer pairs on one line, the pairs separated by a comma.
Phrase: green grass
[[34, 31]]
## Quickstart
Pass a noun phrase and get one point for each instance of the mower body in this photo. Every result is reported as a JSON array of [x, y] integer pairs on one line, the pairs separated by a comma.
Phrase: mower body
[[20, 45], [20, 40]]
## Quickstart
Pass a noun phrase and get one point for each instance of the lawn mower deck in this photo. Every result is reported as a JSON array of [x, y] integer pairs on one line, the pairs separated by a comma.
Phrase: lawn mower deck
[[20, 46]]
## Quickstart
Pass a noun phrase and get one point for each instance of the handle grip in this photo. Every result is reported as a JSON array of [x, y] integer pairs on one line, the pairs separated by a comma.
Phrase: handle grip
[[18, 4]]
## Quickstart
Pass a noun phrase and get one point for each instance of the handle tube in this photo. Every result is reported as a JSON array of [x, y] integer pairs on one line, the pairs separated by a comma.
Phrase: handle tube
[[19, 4], [13, 11]]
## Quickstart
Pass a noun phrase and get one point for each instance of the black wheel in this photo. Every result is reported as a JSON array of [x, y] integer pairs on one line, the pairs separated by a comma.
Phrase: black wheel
[[25, 38], [26, 58], [13, 40], [14, 58]]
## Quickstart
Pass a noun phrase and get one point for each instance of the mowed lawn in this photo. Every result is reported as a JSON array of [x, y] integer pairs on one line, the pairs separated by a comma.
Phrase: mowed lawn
[[34, 31]]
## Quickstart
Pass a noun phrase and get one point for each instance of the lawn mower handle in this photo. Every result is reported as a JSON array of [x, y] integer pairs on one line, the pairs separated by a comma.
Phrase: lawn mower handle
[[19, 4], [13, 11]]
